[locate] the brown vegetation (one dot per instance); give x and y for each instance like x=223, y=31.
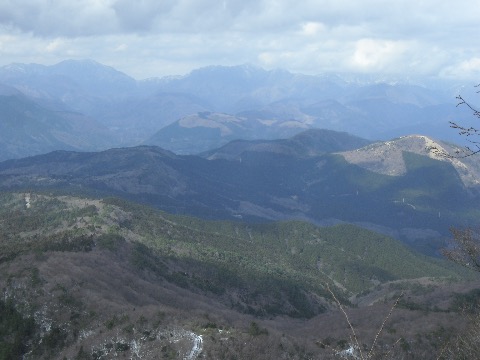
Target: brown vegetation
x=83, y=291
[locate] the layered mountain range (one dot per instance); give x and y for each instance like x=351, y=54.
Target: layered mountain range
x=400, y=187
x=217, y=104
x=229, y=212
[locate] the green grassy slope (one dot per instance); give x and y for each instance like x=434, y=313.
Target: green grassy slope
x=237, y=255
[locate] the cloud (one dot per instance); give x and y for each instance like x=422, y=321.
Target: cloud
x=58, y=18
x=97, y=17
x=161, y=37
x=312, y=28
x=142, y=14
x=371, y=54
x=54, y=45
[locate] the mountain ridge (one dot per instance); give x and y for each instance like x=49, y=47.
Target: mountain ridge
x=307, y=143
x=419, y=206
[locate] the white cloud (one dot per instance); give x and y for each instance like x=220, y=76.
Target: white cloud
x=54, y=45
x=372, y=54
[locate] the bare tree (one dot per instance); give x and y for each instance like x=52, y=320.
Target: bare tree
x=469, y=132
x=464, y=248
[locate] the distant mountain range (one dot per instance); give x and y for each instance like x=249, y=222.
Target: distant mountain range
x=251, y=102
x=397, y=187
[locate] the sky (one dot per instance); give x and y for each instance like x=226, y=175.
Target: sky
x=154, y=38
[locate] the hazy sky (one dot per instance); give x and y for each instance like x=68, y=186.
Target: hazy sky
x=146, y=38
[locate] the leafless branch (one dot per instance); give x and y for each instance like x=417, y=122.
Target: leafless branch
x=464, y=131
x=352, y=329
x=372, y=349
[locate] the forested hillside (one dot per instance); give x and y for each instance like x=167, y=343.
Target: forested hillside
x=397, y=187
x=92, y=278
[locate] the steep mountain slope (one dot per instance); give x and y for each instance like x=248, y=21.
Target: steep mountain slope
x=27, y=128
x=418, y=206
x=89, y=279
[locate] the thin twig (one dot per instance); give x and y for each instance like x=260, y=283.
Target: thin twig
x=348, y=321
x=371, y=352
